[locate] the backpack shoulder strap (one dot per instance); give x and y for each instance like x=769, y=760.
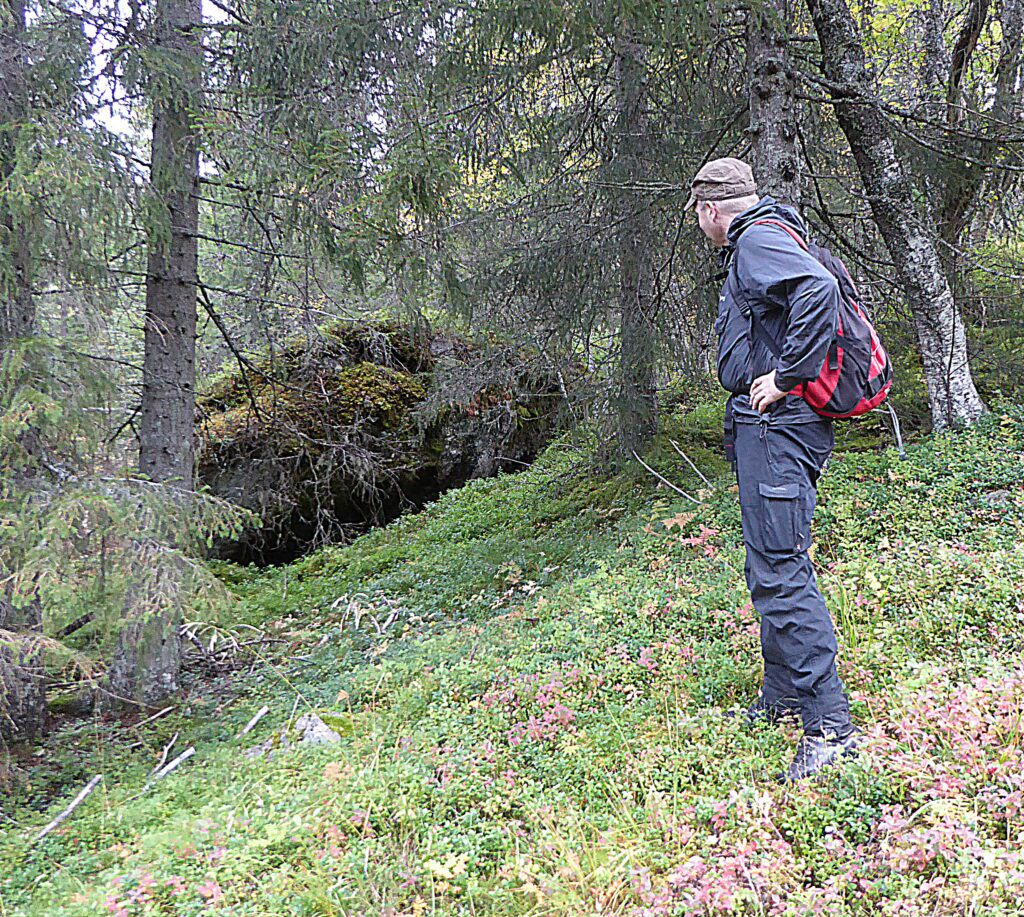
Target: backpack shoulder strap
x=832, y=263
x=774, y=347
x=756, y=328
x=786, y=227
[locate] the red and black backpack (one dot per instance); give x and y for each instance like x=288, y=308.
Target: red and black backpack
x=857, y=374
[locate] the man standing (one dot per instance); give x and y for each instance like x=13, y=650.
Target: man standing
x=780, y=444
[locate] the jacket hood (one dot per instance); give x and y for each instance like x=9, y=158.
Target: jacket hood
x=766, y=209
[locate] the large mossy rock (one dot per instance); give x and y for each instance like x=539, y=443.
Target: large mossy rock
x=353, y=426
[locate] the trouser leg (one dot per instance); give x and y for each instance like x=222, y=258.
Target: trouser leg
x=777, y=686
x=777, y=469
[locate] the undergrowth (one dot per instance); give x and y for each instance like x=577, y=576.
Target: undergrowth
x=529, y=679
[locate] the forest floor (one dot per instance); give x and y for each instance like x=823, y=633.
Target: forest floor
x=529, y=679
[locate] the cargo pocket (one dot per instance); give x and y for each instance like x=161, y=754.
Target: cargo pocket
x=783, y=517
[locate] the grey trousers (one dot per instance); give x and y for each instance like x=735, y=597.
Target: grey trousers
x=777, y=466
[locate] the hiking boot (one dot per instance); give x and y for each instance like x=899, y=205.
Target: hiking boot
x=814, y=753
x=761, y=711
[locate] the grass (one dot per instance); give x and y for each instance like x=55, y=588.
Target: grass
x=539, y=730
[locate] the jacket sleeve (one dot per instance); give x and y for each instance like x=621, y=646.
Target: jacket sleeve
x=774, y=270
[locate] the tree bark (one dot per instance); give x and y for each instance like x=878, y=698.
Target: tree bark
x=959, y=60
x=147, y=661
x=17, y=307
x=166, y=429
x=935, y=63
x=22, y=677
x=774, y=109
x=146, y=667
x=966, y=179
x=22, y=694
x=953, y=398
x=636, y=396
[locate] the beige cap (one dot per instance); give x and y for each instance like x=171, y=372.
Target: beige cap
x=720, y=180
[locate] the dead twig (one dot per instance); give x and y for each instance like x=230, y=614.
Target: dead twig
x=666, y=481
x=155, y=716
x=75, y=803
x=688, y=461
x=262, y=712
x=196, y=642
x=166, y=752
x=181, y=759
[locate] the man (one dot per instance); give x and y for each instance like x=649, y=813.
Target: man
x=780, y=446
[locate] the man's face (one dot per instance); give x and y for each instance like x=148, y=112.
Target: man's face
x=712, y=222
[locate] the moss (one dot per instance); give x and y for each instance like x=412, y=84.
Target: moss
x=340, y=344
x=342, y=723
x=405, y=347
x=228, y=425
x=344, y=434
x=376, y=394
x=297, y=415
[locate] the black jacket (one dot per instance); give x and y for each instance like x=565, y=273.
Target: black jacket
x=794, y=296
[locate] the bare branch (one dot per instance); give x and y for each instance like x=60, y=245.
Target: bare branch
x=666, y=481
x=75, y=803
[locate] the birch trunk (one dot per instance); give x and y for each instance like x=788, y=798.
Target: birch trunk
x=966, y=179
x=941, y=336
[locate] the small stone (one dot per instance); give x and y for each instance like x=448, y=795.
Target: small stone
x=265, y=748
x=308, y=729
x=314, y=731
x=997, y=497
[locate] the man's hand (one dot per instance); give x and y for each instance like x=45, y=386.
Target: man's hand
x=764, y=393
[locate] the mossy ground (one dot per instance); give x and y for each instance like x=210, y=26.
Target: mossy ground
x=532, y=673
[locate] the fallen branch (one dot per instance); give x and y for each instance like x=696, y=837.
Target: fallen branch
x=75, y=803
x=181, y=759
x=155, y=716
x=690, y=463
x=196, y=642
x=262, y=712
x=166, y=752
x=666, y=481
x=75, y=625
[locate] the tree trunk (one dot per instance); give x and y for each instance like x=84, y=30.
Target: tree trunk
x=147, y=663
x=941, y=335
x=166, y=427
x=636, y=396
x=966, y=179
x=147, y=660
x=22, y=678
x=774, y=109
x=22, y=694
x=17, y=308
x=935, y=61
